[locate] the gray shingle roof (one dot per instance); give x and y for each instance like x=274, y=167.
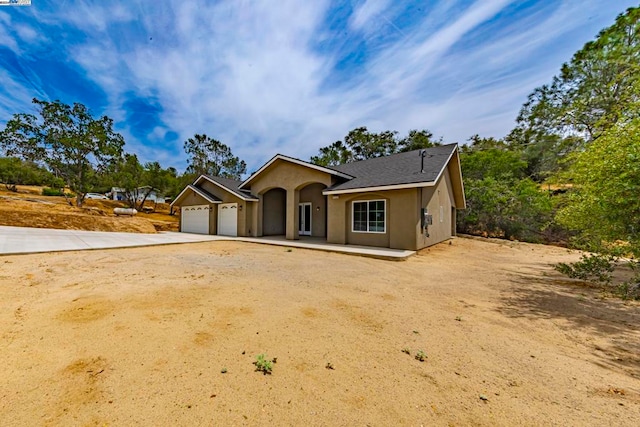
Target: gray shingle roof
x=204, y=192
x=232, y=185
x=396, y=169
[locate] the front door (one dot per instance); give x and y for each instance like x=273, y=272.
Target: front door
x=304, y=215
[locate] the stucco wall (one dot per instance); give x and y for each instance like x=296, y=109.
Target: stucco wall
x=401, y=217
x=292, y=178
x=438, y=201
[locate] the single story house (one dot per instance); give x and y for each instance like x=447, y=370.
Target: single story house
x=402, y=201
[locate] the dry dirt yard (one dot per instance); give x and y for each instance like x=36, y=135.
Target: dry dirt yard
x=141, y=337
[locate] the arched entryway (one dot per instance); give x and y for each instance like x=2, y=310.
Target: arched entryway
x=312, y=210
x=274, y=212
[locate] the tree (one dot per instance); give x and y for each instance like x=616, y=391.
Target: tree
x=361, y=144
x=209, y=156
x=14, y=171
x=595, y=90
x=333, y=155
x=139, y=181
x=416, y=140
x=74, y=145
x=501, y=200
x=506, y=208
x=366, y=145
x=603, y=206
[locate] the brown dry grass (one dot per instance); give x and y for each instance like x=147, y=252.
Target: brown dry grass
x=140, y=337
x=28, y=208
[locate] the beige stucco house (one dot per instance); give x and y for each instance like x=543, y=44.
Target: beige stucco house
x=402, y=201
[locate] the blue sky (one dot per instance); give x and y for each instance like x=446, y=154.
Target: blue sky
x=289, y=77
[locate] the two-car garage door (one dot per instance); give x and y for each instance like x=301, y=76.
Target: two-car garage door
x=195, y=219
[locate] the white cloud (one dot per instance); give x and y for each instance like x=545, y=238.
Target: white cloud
x=366, y=12
x=249, y=73
x=6, y=38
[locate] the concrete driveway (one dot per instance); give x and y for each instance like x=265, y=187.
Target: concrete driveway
x=21, y=240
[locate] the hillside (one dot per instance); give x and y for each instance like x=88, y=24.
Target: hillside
x=29, y=208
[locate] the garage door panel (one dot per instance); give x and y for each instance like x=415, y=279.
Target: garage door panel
x=228, y=219
x=195, y=219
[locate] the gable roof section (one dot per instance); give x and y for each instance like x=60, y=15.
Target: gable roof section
x=205, y=194
x=230, y=185
x=402, y=170
x=330, y=171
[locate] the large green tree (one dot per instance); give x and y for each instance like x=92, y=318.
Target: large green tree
x=365, y=145
x=598, y=88
x=68, y=139
x=416, y=140
x=209, y=156
x=361, y=144
x=333, y=155
x=595, y=89
x=603, y=206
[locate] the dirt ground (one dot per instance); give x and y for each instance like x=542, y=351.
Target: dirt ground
x=142, y=337
x=29, y=208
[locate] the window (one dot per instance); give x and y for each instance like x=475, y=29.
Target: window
x=369, y=216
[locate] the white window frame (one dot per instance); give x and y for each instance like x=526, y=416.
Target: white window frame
x=353, y=206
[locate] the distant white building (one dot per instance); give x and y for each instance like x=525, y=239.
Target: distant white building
x=121, y=194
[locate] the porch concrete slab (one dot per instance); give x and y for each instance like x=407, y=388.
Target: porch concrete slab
x=322, y=245
x=23, y=240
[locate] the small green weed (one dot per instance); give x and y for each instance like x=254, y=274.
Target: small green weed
x=406, y=350
x=263, y=365
x=421, y=355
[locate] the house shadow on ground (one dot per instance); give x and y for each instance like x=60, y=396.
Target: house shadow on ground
x=613, y=324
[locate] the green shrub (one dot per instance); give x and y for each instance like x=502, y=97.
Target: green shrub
x=592, y=268
x=630, y=290
x=52, y=192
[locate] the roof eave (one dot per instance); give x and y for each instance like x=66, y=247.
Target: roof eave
x=379, y=188
x=295, y=161
x=224, y=187
x=196, y=190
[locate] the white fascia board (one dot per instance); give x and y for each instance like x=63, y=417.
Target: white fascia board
x=297, y=162
x=197, y=190
x=446, y=164
x=380, y=188
x=235, y=193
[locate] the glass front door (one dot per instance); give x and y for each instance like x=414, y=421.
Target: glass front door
x=304, y=219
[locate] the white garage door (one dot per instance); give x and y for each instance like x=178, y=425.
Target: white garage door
x=228, y=219
x=195, y=219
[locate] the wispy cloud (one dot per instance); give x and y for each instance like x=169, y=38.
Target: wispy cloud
x=290, y=77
